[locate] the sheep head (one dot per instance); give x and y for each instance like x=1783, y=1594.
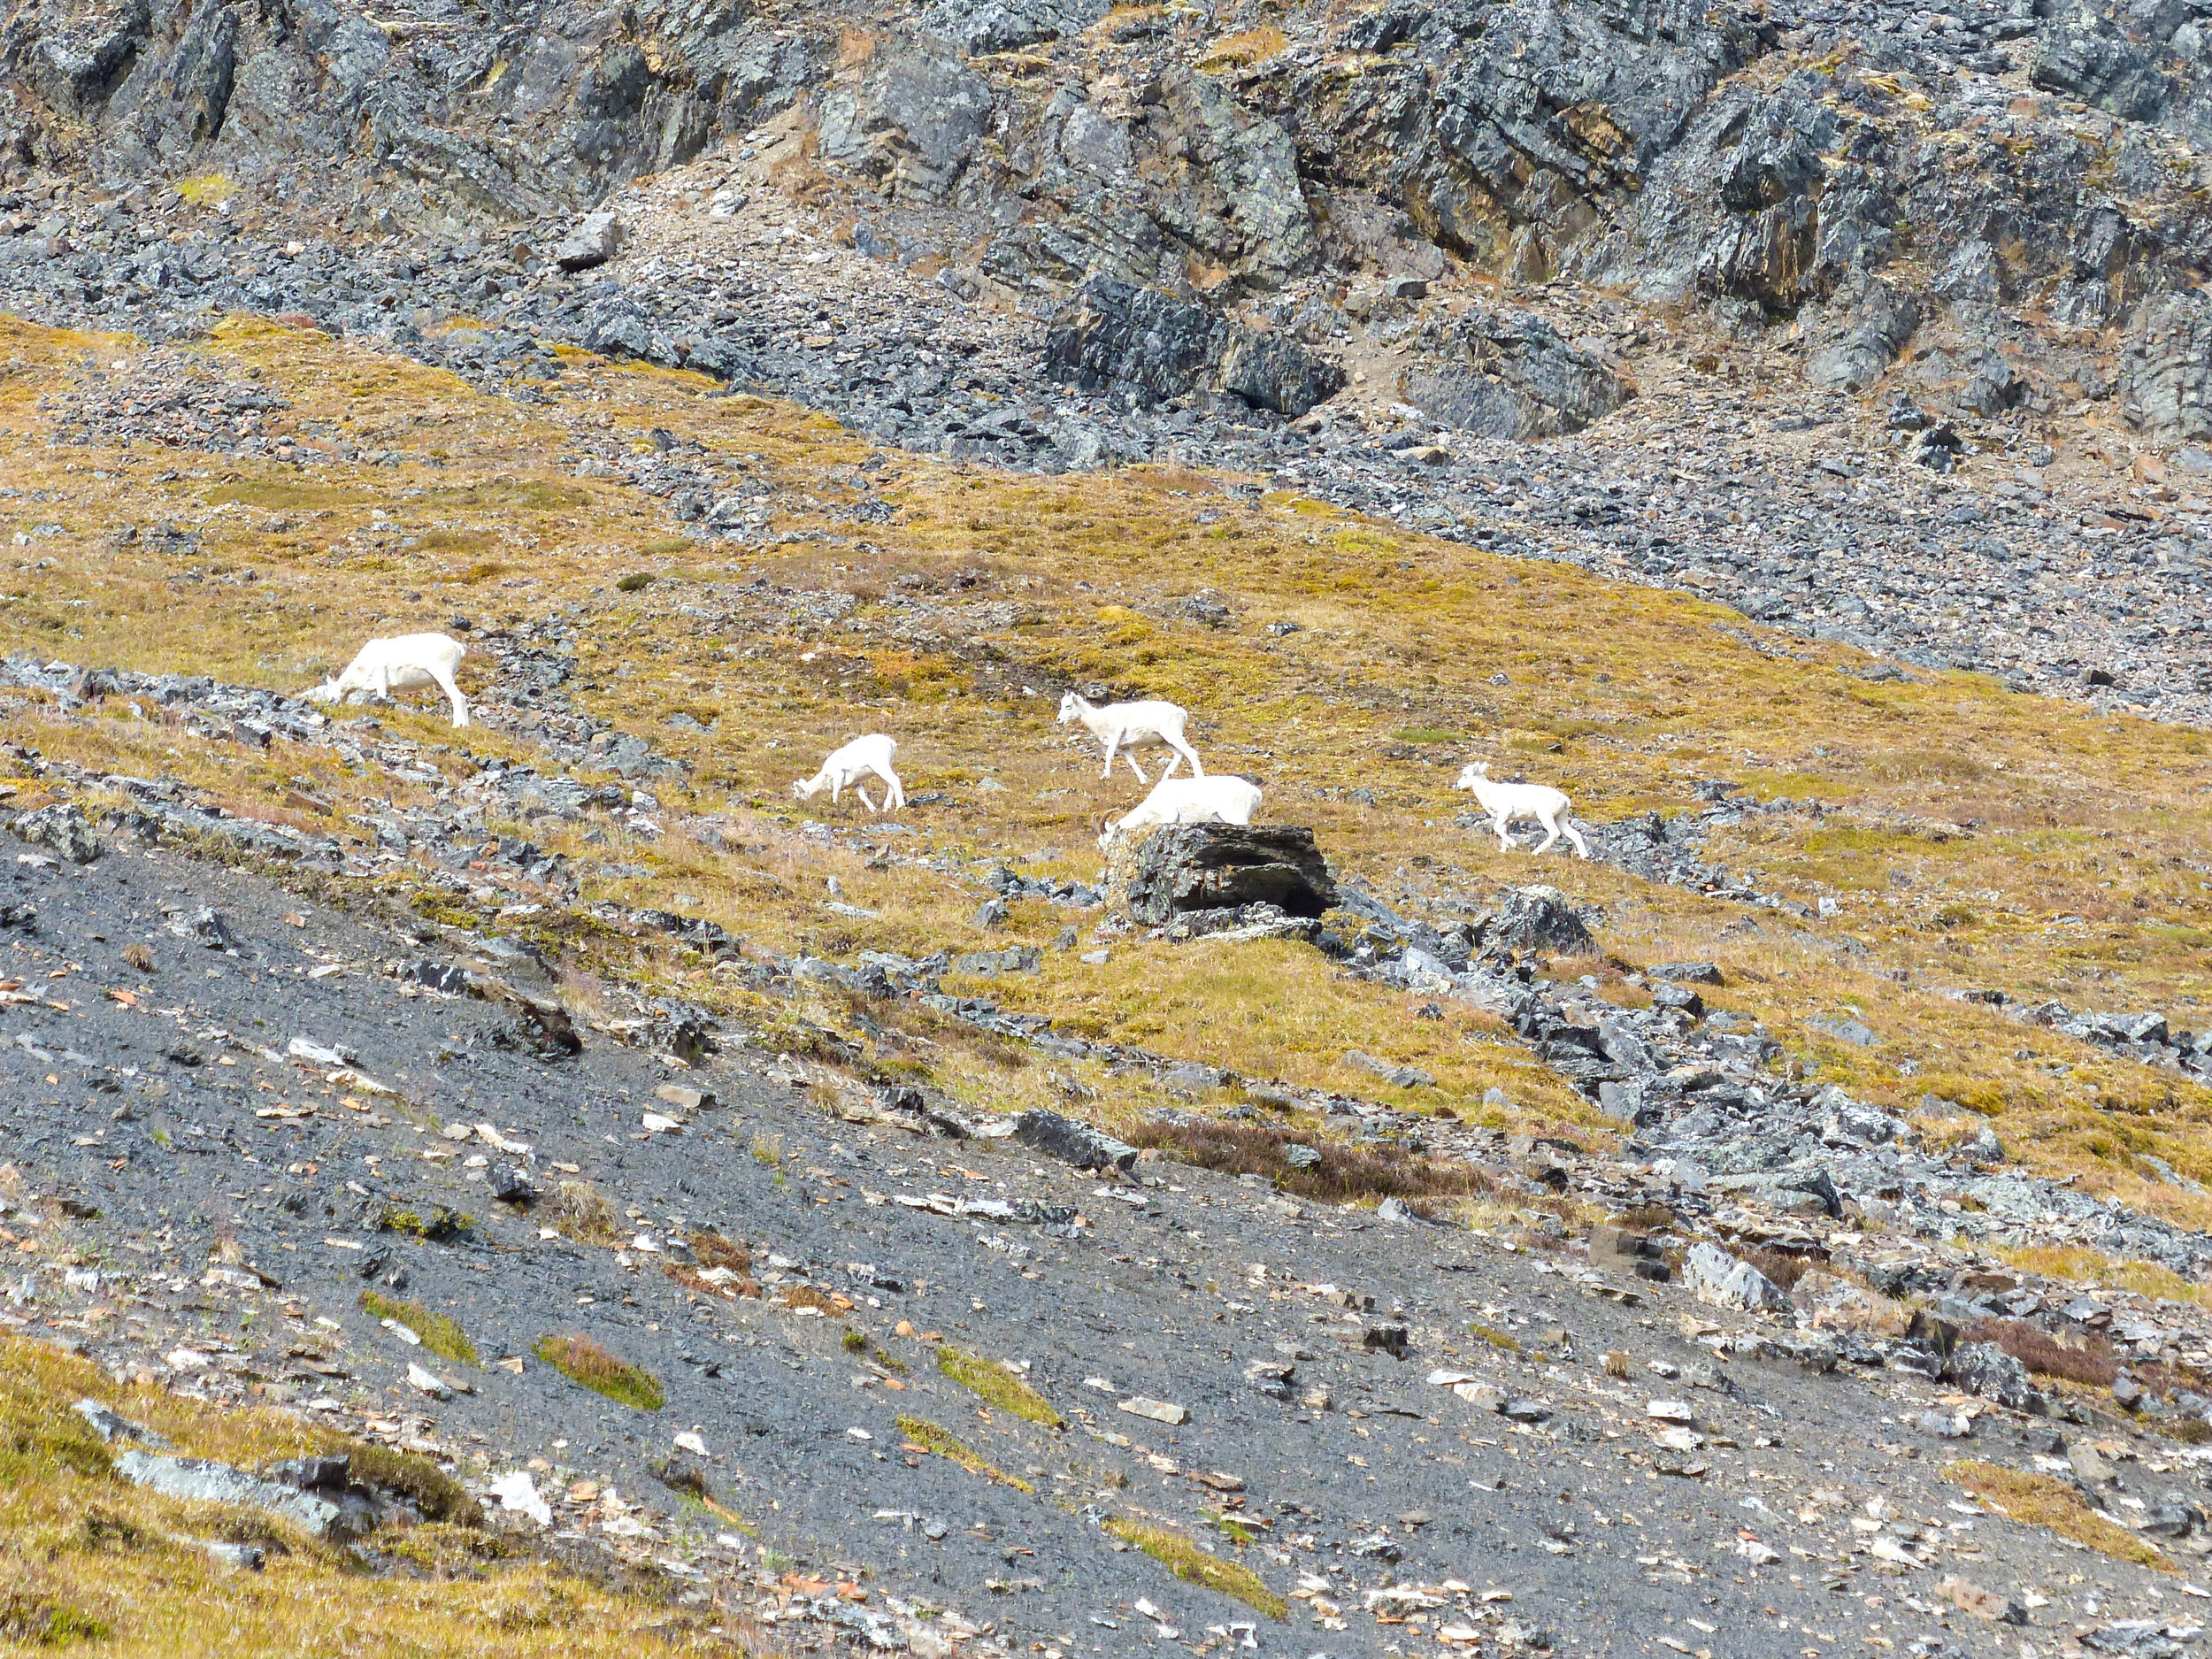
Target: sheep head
x=1473, y=773
x=1071, y=708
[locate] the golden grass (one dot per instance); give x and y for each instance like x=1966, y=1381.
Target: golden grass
x=2096, y=1270
x=1189, y=1562
x=992, y=1382
x=2041, y=1501
x=81, y=1550
x=1976, y=839
x=582, y=1213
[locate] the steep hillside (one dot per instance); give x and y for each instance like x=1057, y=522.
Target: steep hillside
x=1864, y=987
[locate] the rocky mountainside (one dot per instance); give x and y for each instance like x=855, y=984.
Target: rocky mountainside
x=1783, y=426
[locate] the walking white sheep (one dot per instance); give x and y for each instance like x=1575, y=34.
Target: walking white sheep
x=1122, y=726
x=1216, y=800
x=860, y=757
x=1506, y=802
x=406, y=663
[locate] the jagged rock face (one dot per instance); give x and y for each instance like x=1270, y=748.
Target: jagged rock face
x=2082, y=55
x=511, y=122
x=2166, y=387
x=910, y=124
x=1864, y=181
x=1493, y=123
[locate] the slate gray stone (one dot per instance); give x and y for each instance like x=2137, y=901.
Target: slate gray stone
x=1072, y=1142
x=1509, y=374
x=590, y=243
x=1984, y=1368
x=1540, y=917
x=60, y=828
x=1713, y=1276
x=204, y=1481
x=112, y=1425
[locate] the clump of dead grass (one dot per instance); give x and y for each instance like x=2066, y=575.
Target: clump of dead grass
x=922, y=1435
x=581, y=1212
x=1781, y=1266
x=1187, y=1561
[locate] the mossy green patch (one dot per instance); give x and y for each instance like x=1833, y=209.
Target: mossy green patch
x=587, y=1365
x=1000, y=1387
x=441, y=1335
x=38, y=1623
x=438, y=1227
x=1190, y=1562
x=942, y=1442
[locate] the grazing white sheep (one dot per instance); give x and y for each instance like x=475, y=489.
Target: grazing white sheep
x=404, y=663
x=862, y=758
x=1121, y=727
x=1216, y=800
x=1506, y=802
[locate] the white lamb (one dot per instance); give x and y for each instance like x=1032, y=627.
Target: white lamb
x=1216, y=800
x=1506, y=802
x=1121, y=727
x=860, y=757
x=405, y=664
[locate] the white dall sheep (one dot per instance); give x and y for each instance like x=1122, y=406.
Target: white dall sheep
x=1216, y=800
x=860, y=757
x=408, y=663
x=1506, y=802
x=1121, y=727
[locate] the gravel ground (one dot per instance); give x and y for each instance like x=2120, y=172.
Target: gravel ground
x=239, y=1193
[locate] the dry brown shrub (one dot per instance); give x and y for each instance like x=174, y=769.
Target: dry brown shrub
x=2044, y=1354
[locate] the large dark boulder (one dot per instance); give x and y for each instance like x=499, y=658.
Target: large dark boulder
x=1509, y=374
x=1223, y=866
x=1116, y=333
x=1072, y=1142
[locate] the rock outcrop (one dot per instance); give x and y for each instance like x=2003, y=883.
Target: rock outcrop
x=1219, y=867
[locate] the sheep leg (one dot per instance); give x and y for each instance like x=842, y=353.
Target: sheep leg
x=1188, y=754
x=453, y=692
x=1174, y=760
x=1112, y=743
x=1505, y=841
x=1130, y=756
x=895, y=796
x=1551, y=830
x=861, y=789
